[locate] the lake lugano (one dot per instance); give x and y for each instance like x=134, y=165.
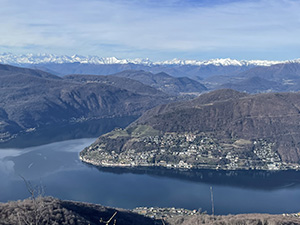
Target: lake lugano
x=57, y=169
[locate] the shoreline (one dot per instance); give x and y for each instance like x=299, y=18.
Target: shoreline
x=292, y=167
x=253, y=179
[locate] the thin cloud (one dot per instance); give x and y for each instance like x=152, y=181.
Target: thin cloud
x=141, y=28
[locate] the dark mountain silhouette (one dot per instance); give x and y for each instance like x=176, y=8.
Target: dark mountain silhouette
x=255, y=85
x=192, y=71
x=277, y=72
x=8, y=70
x=120, y=82
x=86, y=68
x=32, y=98
x=164, y=82
x=285, y=75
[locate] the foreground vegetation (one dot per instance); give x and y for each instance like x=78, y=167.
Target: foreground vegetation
x=48, y=210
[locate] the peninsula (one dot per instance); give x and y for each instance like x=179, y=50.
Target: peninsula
x=223, y=129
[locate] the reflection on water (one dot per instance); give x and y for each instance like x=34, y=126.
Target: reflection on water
x=40, y=161
x=264, y=180
x=56, y=167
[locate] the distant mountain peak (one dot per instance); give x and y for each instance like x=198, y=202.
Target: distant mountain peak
x=43, y=58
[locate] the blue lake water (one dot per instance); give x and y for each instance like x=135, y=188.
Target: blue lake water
x=55, y=167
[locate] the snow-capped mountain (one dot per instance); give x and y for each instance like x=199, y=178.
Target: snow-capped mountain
x=220, y=62
x=8, y=58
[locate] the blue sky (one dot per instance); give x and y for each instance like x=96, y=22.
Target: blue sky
x=157, y=29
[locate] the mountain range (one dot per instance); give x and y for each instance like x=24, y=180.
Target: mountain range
x=164, y=82
x=284, y=77
x=9, y=58
x=252, y=76
x=31, y=99
x=76, y=64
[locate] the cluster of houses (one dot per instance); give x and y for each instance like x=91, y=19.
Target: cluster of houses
x=187, y=151
x=161, y=213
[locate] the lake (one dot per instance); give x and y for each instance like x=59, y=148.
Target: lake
x=55, y=167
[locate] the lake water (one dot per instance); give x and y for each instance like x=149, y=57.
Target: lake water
x=56, y=167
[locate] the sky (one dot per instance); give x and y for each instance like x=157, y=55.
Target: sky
x=154, y=29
